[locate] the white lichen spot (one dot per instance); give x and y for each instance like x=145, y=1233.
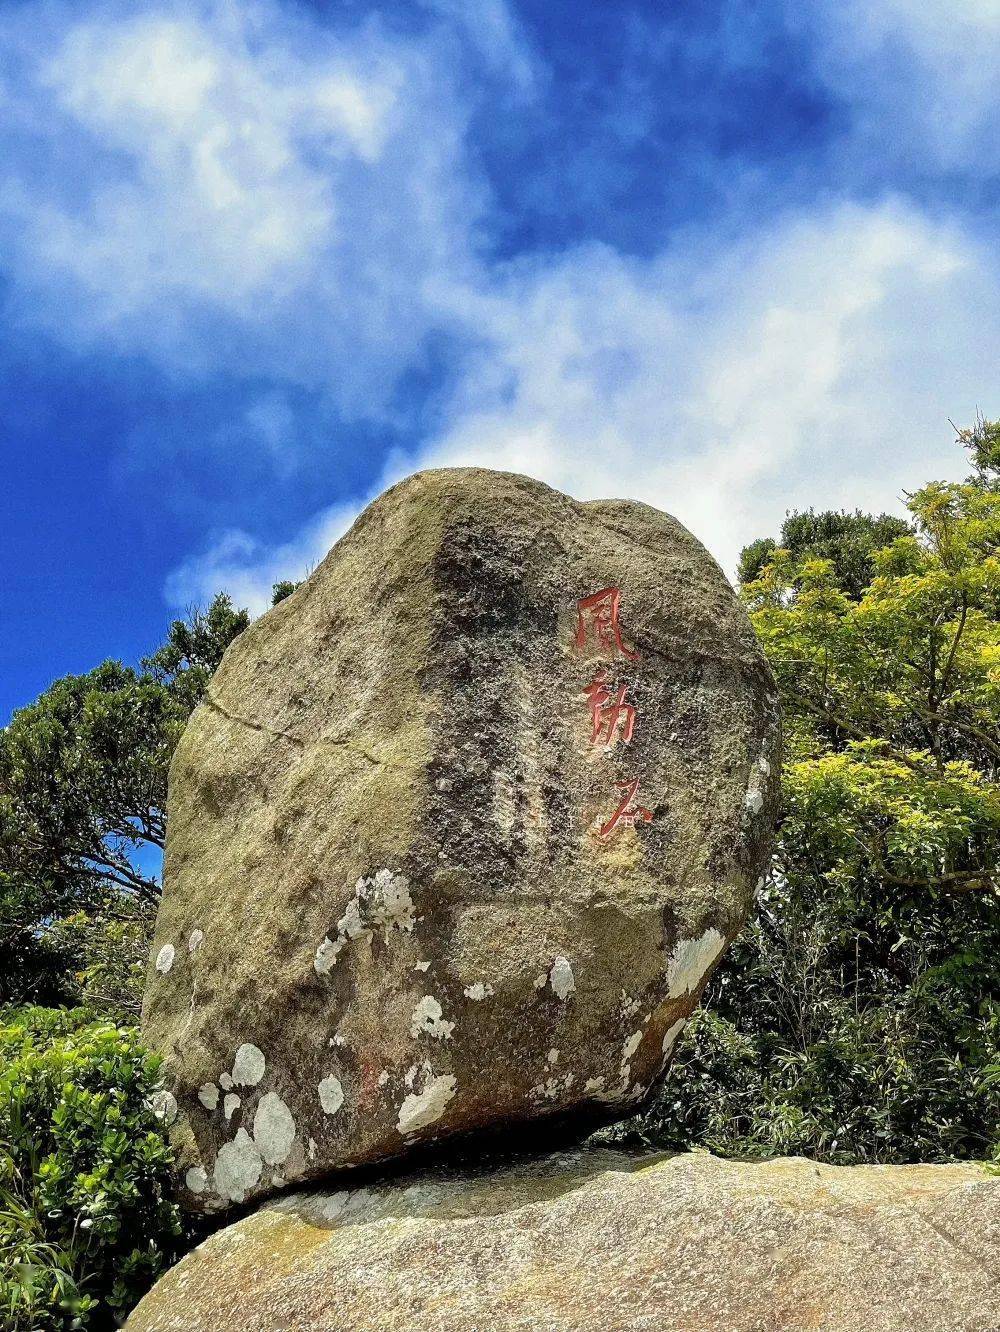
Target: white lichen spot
x=163, y=1104
x=541, y=980
x=351, y=924
x=671, y=1034
x=754, y=800
x=196, y=1180
x=690, y=960
x=764, y=766
x=394, y=903
x=273, y=1128
x=237, y=1167
x=561, y=979
x=410, y=1076
x=594, y=1084
x=195, y=940
x=552, y=1088
x=165, y=959
x=477, y=991
x=226, y=1082
x=208, y=1094
x=248, y=1066
x=383, y=1077
x=311, y=1149
x=231, y=1104
x=630, y=1046
x=380, y=903
x=611, y=1094
x=552, y=1057
x=420, y=1109
x=628, y=1050
x=331, y=1095
x=427, y=1017
x=326, y=955
x=277, y=1180
x=421, y=966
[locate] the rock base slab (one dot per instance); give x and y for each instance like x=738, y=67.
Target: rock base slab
x=606, y=1241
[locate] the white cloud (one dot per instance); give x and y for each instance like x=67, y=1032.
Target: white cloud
x=237, y=563
x=920, y=73
x=815, y=365
x=249, y=191
x=493, y=30
x=242, y=189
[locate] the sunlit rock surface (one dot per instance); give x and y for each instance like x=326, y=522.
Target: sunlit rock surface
x=458, y=834
x=602, y=1241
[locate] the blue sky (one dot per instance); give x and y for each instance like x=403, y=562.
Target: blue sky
x=257, y=260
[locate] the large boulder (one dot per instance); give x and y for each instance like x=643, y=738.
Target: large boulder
x=601, y=1241
x=458, y=833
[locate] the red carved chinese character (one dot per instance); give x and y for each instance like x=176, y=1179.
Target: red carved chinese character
x=628, y=812
x=597, y=619
x=610, y=714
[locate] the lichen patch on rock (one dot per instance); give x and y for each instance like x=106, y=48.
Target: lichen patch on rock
x=238, y=1167
x=248, y=1066
x=273, y=1128
x=691, y=961
x=331, y=1094
x=422, y=1108
x=561, y=978
x=428, y=1017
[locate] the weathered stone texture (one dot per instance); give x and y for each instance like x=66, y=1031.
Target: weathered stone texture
x=390, y=912
x=600, y=1241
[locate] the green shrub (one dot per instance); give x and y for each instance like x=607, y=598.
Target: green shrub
x=858, y=1018
x=848, y=1026
x=87, y=1220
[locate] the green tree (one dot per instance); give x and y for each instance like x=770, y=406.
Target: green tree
x=83, y=775
x=282, y=590
x=857, y=1017
x=848, y=540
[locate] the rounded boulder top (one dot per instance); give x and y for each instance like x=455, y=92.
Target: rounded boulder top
x=457, y=835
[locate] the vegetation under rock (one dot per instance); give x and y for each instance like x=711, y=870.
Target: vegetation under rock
x=857, y=1019
x=87, y=1217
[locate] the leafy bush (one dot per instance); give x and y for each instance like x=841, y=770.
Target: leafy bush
x=858, y=1018
x=811, y=1045
x=87, y=1221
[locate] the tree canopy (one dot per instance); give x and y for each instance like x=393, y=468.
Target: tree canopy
x=857, y=1018
x=83, y=779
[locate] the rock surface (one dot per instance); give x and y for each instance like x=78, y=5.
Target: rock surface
x=458, y=834
x=602, y=1241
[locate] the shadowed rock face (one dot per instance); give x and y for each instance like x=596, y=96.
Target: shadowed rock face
x=458, y=834
x=601, y=1241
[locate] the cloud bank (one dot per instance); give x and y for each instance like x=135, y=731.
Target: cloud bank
x=255, y=191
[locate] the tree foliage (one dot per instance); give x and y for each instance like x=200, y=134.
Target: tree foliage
x=87, y=1216
x=848, y=540
x=857, y=1018
x=83, y=775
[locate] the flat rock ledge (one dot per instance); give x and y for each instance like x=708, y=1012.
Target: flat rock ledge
x=602, y=1240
